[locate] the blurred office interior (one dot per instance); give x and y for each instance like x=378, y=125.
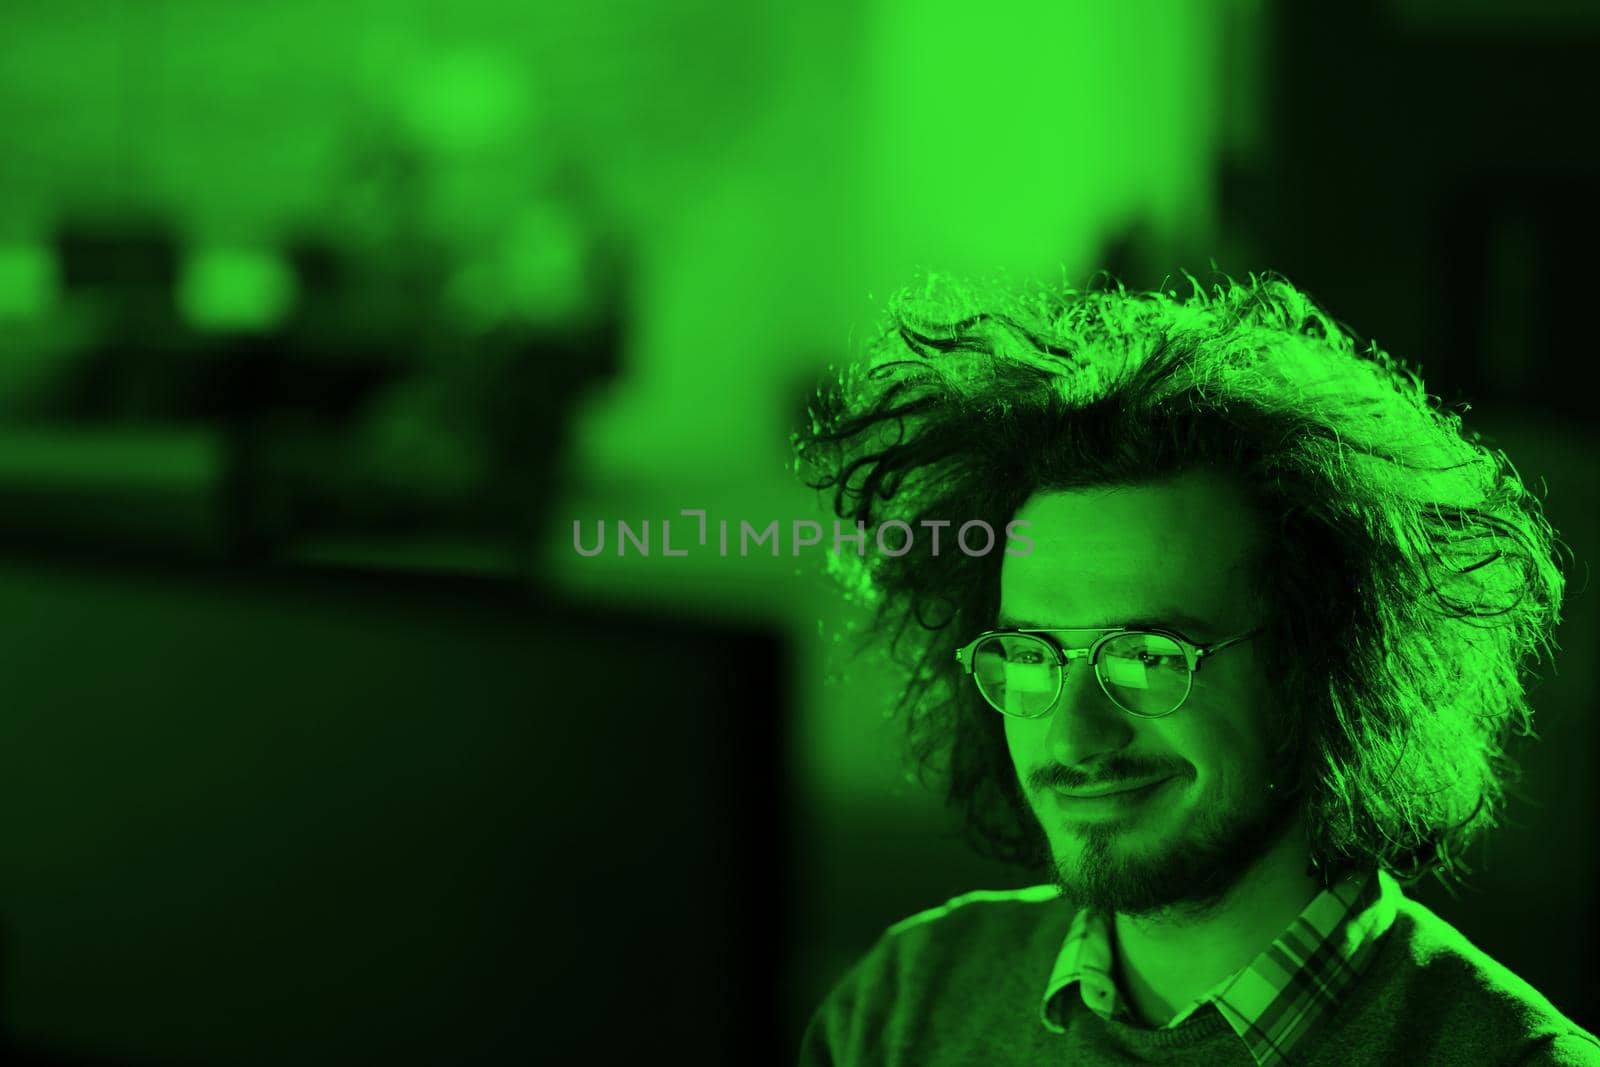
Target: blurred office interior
x=320, y=325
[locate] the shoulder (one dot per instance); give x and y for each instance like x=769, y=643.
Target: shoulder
x=1447, y=959
x=982, y=957
x=1566, y=1050
x=970, y=932
x=977, y=909
x=1455, y=985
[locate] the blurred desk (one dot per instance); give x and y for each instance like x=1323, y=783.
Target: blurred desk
x=123, y=487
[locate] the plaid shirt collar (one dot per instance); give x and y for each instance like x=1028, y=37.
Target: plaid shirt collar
x=1273, y=1001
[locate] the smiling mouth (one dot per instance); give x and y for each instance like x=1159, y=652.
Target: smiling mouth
x=1107, y=791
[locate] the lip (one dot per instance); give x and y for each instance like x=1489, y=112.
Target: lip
x=1116, y=794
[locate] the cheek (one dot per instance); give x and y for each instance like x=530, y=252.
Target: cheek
x=1233, y=725
x=1023, y=740
x=1228, y=759
x=1028, y=741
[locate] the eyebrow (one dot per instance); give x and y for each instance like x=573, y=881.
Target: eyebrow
x=1163, y=620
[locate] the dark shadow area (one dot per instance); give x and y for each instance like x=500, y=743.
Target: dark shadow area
x=306, y=817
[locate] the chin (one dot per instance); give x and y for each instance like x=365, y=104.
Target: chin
x=1189, y=856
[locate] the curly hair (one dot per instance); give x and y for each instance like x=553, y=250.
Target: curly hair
x=1430, y=567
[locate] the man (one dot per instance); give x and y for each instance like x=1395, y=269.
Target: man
x=1253, y=676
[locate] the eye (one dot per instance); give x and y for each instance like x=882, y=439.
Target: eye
x=1030, y=655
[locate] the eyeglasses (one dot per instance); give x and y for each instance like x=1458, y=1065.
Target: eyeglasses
x=1146, y=672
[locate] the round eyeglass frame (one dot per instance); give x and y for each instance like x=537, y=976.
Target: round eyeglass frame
x=1194, y=654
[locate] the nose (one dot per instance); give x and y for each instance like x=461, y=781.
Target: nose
x=1085, y=723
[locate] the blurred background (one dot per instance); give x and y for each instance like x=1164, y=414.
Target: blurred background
x=320, y=325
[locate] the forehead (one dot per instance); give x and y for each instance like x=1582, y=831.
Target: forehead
x=1105, y=556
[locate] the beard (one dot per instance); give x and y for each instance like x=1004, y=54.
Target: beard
x=1185, y=871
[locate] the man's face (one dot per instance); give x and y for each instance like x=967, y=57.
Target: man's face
x=1174, y=554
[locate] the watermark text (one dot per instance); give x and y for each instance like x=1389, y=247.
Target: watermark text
x=741, y=537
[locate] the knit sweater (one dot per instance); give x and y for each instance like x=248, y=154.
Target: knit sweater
x=964, y=989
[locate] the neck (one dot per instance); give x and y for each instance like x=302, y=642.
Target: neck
x=1165, y=960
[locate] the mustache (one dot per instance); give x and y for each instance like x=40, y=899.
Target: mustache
x=1112, y=771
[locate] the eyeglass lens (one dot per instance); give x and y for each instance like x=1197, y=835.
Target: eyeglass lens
x=1146, y=674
